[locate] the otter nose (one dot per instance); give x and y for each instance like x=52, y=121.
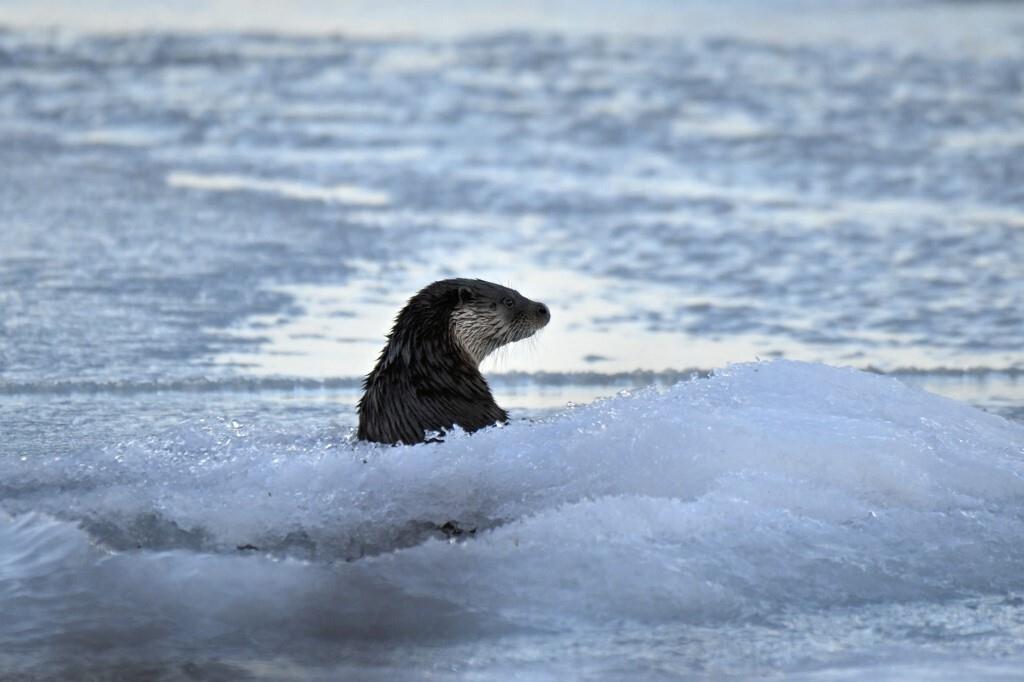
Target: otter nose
x=543, y=312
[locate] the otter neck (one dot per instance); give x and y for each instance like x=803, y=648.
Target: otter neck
x=468, y=336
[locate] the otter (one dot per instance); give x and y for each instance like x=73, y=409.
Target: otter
x=427, y=378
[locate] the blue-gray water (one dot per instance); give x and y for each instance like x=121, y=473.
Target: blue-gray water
x=205, y=234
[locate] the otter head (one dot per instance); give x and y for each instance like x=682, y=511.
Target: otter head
x=427, y=378
x=488, y=316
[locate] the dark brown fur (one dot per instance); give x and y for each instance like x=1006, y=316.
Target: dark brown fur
x=427, y=378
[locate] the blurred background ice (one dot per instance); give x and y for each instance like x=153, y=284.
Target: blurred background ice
x=209, y=214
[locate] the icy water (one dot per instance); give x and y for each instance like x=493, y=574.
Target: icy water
x=732, y=213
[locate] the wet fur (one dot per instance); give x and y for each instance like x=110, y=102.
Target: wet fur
x=427, y=378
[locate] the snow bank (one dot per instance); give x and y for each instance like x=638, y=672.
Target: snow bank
x=769, y=486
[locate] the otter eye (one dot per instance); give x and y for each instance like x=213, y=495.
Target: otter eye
x=508, y=302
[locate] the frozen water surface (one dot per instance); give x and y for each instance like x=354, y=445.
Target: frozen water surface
x=204, y=235
x=797, y=503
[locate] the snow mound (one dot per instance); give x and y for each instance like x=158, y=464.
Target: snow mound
x=767, y=487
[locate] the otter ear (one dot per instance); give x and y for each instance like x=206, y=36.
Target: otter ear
x=465, y=295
